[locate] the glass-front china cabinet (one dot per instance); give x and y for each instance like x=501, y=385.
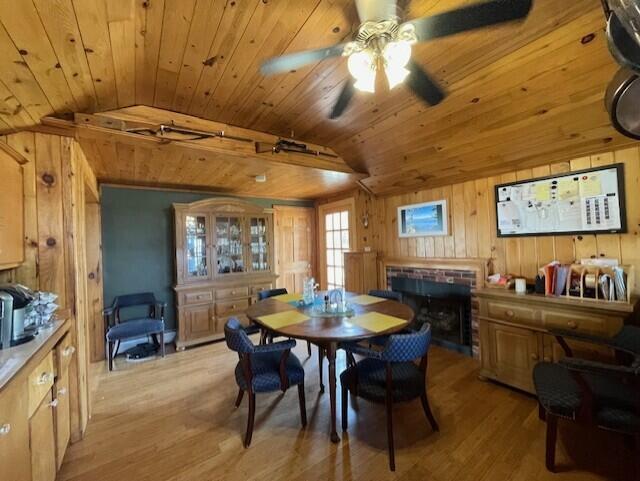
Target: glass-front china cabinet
x=224, y=257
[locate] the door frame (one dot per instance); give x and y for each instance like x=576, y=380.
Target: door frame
x=348, y=204
x=279, y=210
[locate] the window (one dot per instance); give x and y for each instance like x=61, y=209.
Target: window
x=336, y=243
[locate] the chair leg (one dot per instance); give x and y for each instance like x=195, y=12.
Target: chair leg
x=320, y=364
x=162, y=349
x=392, y=454
x=252, y=415
x=345, y=407
x=239, y=398
x=309, y=348
x=428, y=413
x=552, y=433
x=303, y=405
x=110, y=354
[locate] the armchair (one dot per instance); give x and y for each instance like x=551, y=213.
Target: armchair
x=603, y=395
x=118, y=329
x=263, y=368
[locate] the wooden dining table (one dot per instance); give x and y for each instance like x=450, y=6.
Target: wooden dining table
x=328, y=332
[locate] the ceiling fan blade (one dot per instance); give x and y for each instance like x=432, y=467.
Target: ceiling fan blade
x=376, y=10
x=423, y=85
x=469, y=18
x=343, y=99
x=292, y=61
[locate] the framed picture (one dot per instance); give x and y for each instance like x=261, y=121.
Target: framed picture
x=426, y=219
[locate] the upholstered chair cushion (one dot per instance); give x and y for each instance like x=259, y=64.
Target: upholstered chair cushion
x=134, y=328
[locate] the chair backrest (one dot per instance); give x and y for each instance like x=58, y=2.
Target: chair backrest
x=135, y=304
x=237, y=340
x=393, y=295
x=271, y=293
x=407, y=347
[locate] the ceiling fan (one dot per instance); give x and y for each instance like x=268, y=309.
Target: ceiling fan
x=383, y=41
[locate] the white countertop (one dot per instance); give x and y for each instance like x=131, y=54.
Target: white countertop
x=12, y=360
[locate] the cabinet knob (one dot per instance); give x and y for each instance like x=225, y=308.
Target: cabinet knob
x=45, y=377
x=62, y=391
x=509, y=313
x=534, y=356
x=572, y=324
x=5, y=429
x=546, y=359
x=68, y=351
x=233, y=293
x=233, y=306
x=54, y=403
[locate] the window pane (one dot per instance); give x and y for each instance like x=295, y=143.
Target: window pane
x=329, y=221
x=330, y=275
x=330, y=257
x=336, y=239
x=329, y=240
x=345, y=239
x=339, y=258
x=344, y=219
x=339, y=275
x=336, y=220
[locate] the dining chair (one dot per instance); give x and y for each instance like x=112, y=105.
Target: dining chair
x=272, y=293
x=603, y=395
x=118, y=328
x=263, y=368
x=390, y=376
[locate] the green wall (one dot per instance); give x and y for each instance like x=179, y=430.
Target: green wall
x=137, y=241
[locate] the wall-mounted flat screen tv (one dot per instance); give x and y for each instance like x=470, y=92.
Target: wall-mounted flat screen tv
x=580, y=202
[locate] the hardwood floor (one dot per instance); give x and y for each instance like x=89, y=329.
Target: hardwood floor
x=174, y=419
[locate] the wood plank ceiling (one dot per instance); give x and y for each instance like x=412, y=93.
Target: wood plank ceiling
x=520, y=95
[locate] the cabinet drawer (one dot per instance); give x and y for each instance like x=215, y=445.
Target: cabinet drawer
x=259, y=288
x=230, y=307
x=15, y=456
x=40, y=382
x=198, y=297
x=232, y=292
x=591, y=325
x=64, y=353
x=510, y=312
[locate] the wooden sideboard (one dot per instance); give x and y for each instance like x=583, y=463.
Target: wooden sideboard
x=360, y=271
x=224, y=258
x=514, y=331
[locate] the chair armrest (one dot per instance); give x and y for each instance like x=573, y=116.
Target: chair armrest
x=276, y=346
x=108, y=311
x=599, y=368
x=355, y=348
x=159, y=309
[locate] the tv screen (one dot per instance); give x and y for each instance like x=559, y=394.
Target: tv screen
x=585, y=201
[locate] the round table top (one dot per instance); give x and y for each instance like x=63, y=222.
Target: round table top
x=330, y=329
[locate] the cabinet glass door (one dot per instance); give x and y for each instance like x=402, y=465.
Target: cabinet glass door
x=196, y=246
x=229, y=245
x=258, y=244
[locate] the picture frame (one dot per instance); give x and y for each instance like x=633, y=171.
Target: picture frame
x=423, y=220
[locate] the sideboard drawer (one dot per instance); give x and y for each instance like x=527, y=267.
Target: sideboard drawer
x=40, y=382
x=230, y=307
x=198, y=297
x=510, y=312
x=232, y=292
x=570, y=321
x=64, y=353
x=259, y=288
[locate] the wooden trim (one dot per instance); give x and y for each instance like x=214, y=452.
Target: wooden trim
x=478, y=265
x=348, y=204
x=21, y=159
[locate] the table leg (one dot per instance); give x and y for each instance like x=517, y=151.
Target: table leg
x=331, y=357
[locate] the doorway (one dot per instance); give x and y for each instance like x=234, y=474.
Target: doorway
x=336, y=221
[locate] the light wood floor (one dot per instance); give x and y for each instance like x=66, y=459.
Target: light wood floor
x=174, y=419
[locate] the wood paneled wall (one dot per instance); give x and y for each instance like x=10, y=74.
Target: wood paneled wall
x=57, y=180
x=472, y=222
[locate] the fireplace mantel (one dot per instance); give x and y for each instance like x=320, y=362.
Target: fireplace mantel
x=478, y=265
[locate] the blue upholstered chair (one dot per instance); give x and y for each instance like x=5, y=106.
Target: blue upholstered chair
x=389, y=376
x=149, y=323
x=266, y=294
x=602, y=395
x=263, y=368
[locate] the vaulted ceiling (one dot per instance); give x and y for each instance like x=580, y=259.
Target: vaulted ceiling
x=519, y=95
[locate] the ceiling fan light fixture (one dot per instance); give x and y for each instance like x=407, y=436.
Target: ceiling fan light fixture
x=362, y=66
x=396, y=56
x=395, y=75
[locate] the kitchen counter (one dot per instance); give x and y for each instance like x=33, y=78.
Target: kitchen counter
x=15, y=359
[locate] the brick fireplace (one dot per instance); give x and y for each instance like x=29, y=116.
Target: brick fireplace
x=438, y=291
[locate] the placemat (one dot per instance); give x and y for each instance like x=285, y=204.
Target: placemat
x=376, y=322
x=282, y=319
x=288, y=297
x=365, y=300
